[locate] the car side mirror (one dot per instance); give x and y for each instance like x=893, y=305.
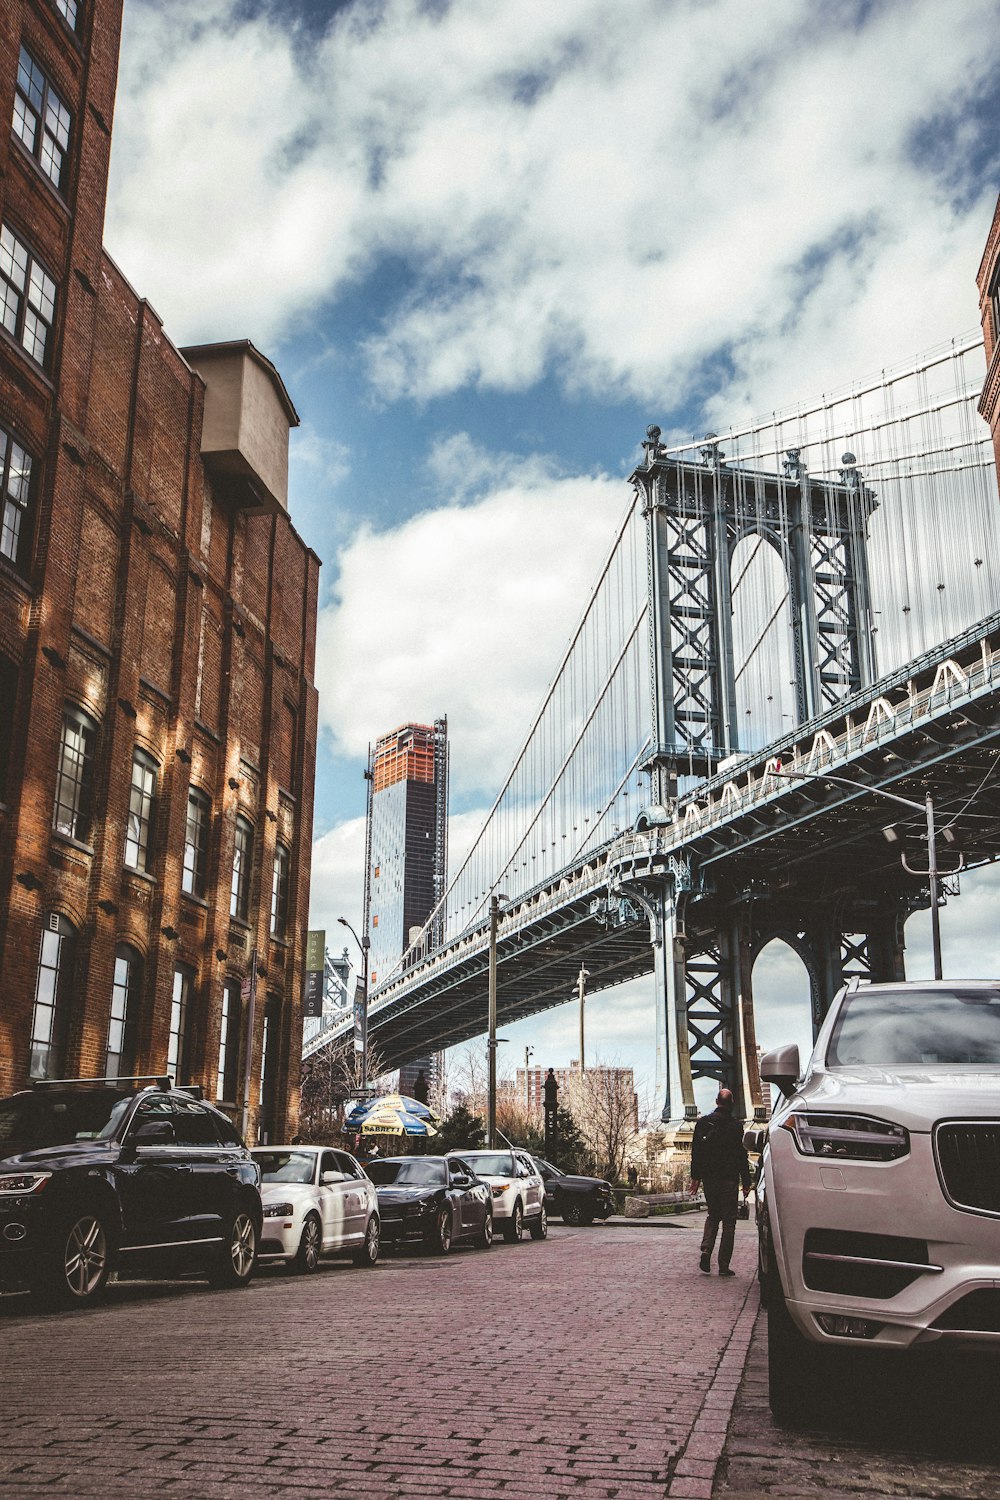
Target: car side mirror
x=326, y=1178
x=459, y=1179
x=753, y=1139
x=782, y=1068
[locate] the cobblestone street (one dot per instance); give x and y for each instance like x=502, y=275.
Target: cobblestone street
x=598, y=1364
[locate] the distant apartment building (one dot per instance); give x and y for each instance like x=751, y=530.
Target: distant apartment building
x=157, y=639
x=407, y=854
x=530, y=1085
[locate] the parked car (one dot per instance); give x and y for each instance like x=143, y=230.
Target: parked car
x=517, y=1189
x=878, y=1222
x=97, y=1176
x=577, y=1200
x=316, y=1202
x=435, y=1199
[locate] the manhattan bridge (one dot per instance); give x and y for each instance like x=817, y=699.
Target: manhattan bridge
x=812, y=596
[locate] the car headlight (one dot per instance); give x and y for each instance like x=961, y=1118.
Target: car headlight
x=847, y=1137
x=17, y=1184
x=499, y=1188
x=278, y=1210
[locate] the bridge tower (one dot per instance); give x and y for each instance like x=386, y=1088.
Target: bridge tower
x=697, y=514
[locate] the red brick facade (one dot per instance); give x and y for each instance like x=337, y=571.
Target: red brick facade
x=989, y=305
x=151, y=591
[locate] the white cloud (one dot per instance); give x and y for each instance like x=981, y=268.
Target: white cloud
x=616, y=192
x=462, y=610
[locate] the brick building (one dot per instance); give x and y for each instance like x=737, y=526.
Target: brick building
x=989, y=303
x=157, y=634
x=529, y=1085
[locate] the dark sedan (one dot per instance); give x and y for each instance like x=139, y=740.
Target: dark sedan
x=577, y=1200
x=435, y=1199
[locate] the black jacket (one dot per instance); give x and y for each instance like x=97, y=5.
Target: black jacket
x=717, y=1150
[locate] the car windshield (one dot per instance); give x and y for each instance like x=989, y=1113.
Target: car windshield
x=58, y=1117
x=492, y=1164
x=911, y=1028
x=410, y=1173
x=286, y=1166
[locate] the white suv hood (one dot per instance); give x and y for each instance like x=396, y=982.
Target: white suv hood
x=286, y=1192
x=917, y=1097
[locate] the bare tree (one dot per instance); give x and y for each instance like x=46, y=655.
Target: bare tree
x=602, y=1101
x=329, y=1077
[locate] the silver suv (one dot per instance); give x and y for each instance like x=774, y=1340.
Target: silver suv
x=878, y=1226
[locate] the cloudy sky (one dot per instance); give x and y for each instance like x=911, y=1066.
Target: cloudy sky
x=487, y=242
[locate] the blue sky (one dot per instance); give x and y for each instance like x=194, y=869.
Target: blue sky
x=487, y=243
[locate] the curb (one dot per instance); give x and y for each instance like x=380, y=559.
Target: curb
x=695, y=1467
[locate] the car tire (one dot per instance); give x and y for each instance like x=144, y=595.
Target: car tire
x=794, y=1365
x=307, y=1256
x=514, y=1226
x=367, y=1256
x=236, y=1261
x=77, y=1271
x=443, y=1232
x=540, y=1228
x=486, y=1233
x=572, y=1212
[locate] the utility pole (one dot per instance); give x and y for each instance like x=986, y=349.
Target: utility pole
x=581, y=990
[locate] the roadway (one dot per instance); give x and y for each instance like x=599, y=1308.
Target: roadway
x=600, y=1363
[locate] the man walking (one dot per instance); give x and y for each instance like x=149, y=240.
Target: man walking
x=719, y=1162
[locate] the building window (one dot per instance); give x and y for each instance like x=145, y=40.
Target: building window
x=995, y=307
x=123, y=1028
x=27, y=296
x=74, y=781
x=269, y=1070
x=177, y=1040
x=69, y=10
x=41, y=120
x=279, y=891
x=229, y=1042
x=141, y=806
x=194, y=879
x=8, y=702
x=50, y=1021
x=16, y=480
x=239, y=901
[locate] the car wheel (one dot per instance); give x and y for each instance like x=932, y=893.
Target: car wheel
x=307, y=1258
x=368, y=1254
x=514, y=1227
x=540, y=1228
x=572, y=1212
x=762, y=1276
x=794, y=1365
x=234, y=1266
x=486, y=1233
x=78, y=1270
x=442, y=1232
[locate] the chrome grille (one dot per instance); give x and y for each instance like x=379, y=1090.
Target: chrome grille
x=968, y=1156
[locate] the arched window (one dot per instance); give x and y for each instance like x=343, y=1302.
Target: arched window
x=199, y=816
x=279, y=891
x=75, y=776
x=123, y=1027
x=239, y=901
x=141, y=810
x=53, y=988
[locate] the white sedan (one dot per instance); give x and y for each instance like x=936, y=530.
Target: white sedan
x=317, y=1201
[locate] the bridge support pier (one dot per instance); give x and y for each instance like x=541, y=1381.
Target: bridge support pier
x=673, y=1058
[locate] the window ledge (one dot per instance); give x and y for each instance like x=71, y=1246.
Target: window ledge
x=32, y=363
x=40, y=173
x=198, y=901
x=71, y=842
x=143, y=875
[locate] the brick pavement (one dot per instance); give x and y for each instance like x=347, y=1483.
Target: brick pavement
x=596, y=1365
x=926, y=1429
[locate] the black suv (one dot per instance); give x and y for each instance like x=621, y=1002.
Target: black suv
x=99, y=1174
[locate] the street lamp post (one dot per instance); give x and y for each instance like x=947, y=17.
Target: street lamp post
x=927, y=808
x=529, y=1053
x=491, y=1043
x=364, y=944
